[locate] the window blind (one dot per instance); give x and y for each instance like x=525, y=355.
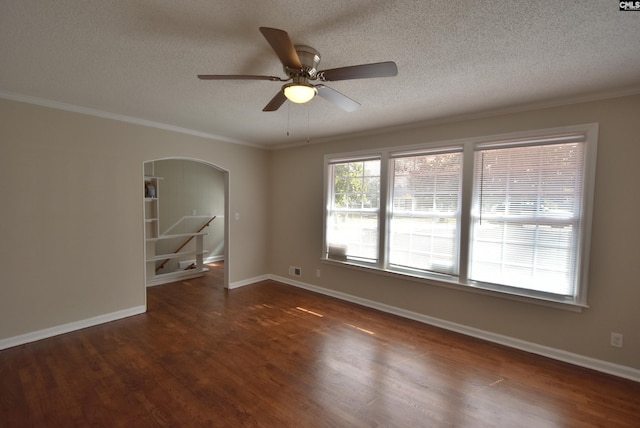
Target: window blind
x=425, y=210
x=527, y=213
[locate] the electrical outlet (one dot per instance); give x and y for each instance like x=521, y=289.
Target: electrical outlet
x=616, y=340
x=318, y=273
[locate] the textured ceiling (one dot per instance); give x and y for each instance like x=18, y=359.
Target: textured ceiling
x=140, y=59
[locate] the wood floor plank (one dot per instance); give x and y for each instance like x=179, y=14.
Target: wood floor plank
x=269, y=355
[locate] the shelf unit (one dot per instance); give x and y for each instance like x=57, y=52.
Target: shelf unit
x=152, y=237
x=151, y=207
x=151, y=258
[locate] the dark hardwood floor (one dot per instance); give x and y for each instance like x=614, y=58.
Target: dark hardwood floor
x=270, y=355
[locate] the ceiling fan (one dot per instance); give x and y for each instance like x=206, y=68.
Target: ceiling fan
x=300, y=64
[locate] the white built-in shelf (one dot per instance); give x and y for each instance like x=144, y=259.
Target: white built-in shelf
x=177, y=235
x=162, y=257
x=181, y=275
x=152, y=237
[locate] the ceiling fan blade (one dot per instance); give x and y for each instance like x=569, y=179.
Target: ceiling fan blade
x=282, y=45
x=363, y=71
x=275, y=102
x=341, y=100
x=237, y=77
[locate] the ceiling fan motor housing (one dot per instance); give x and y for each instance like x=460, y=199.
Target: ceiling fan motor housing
x=309, y=58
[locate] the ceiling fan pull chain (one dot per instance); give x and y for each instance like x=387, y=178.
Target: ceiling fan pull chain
x=308, y=126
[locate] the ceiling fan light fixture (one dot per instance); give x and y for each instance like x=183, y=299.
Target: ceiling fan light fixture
x=300, y=93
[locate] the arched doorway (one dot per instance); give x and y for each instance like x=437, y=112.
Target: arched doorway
x=186, y=219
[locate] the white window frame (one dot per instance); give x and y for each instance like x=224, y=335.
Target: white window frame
x=396, y=155
x=361, y=211
x=469, y=146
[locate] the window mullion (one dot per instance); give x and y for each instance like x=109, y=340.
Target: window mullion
x=385, y=208
x=528, y=241
x=466, y=203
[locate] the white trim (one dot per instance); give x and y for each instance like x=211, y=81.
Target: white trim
x=166, y=278
x=445, y=282
x=249, y=281
x=376, y=131
x=468, y=146
x=214, y=259
x=183, y=218
x=69, y=327
x=119, y=117
x=481, y=114
x=534, y=348
x=226, y=216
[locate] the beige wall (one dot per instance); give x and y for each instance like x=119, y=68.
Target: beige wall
x=614, y=290
x=71, y=222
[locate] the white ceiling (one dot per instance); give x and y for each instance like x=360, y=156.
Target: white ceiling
x=140, y=59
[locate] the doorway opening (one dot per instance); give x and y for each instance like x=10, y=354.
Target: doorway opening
x=186, y=203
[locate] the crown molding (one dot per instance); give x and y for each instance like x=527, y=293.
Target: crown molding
x=12, y=96
x=465, y=117
x=383, y=130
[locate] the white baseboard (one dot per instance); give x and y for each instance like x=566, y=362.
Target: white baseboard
x=181, y=275
x=69, y=327
x=534, y=348
x=249, y=281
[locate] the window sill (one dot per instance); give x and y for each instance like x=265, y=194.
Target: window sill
x=453, y=283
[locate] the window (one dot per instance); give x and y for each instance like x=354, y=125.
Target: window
x=508, y=214
x=527, y=222
x=353, y=214
x=425, y=211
